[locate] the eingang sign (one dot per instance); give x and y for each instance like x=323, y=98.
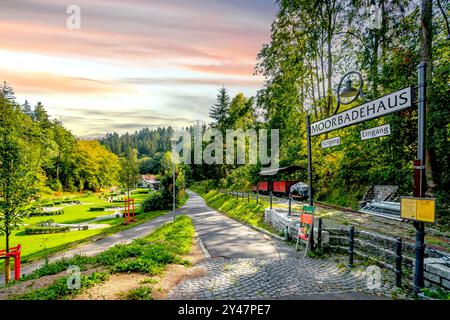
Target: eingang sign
x=387, y=104
x=376, y=132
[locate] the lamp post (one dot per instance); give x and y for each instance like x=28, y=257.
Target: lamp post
x=173, y=141
x=349, y=92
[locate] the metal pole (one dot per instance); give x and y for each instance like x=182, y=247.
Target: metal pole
x=173, y=176
x=420, y=191
x=290, y=205
x=308, y=134
x=257, y=195
x=310, y=189
x=319, y=234
x=270, y=199
x=398, y=263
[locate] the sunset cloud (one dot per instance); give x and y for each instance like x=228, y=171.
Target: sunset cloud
x=136, y=52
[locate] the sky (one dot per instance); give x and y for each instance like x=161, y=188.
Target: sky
x=133, y=63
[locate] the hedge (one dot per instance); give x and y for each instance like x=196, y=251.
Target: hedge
x=46, y=214
x=97, y=209
x=45, y=230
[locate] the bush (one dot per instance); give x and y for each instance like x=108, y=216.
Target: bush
x=155, y=201
x=142, y=293
x=139, y=265
x=97, y=209
x=45, y=230
x=46, y=214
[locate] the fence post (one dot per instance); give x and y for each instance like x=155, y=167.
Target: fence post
x=248, y=197
x=257, y=196
x=286, y=233
x=351, y=244
x=319, y=234
x=271, y=200
x=290, y=205
x=398, y=263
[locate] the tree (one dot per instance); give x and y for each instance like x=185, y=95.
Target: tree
x=219, y=111
x=129, y=173
x=26, y=109
x=17, y=172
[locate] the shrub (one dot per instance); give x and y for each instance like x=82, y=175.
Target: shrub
x=97, y=209
x=46, y=214
x=155, y=201
x=142, y=293
x=138, y=265
x=60, y=290
x=42, y=228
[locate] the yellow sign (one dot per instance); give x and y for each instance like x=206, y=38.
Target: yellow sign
x=418, y=209
x=408, y=208
x=426, y=210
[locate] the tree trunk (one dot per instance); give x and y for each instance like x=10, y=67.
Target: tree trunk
x=426, y=56
x=7, y=264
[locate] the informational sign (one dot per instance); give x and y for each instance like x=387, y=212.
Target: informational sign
x=418, y=209
x=376, y=132
x=330, y=142
x=387, y=104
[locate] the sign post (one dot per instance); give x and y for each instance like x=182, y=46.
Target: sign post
x=380, y=107
x=419, y=175
x=310, y=189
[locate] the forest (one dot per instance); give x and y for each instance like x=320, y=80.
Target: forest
x=312, y=45
x=51, y=157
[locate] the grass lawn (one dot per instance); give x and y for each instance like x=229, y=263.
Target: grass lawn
x=149, y=255
x=38, y=246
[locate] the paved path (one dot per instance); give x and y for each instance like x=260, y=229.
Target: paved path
x=93, y=248
x=224, y=237
x=246, y=264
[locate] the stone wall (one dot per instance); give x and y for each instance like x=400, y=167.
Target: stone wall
x=437, y=273
x=280, y=218
x=371, y=245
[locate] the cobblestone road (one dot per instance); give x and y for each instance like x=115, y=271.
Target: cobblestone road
x=243, y=274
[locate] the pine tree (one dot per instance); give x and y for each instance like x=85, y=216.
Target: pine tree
x=7, y=92
x=26, y=108
x=219, y=111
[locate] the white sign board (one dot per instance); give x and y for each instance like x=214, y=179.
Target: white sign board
x=387, y=104
x=376, y=132
x=330, y=142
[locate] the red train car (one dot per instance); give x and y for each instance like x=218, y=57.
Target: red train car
x=283, y=187
x=263, y=186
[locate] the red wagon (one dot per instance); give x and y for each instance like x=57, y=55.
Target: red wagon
x=283, y=187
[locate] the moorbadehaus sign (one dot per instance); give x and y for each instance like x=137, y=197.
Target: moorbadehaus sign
x=390, y=103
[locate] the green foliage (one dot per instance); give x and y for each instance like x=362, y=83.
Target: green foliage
x=59, y=289
x=147, y=255
x=220, y=111
x=41, y=213
x=437, y=294
x=139, y=265
x=129, y=173
x=45, y=230
x=156, y=201
x=94, y=209
x=141, y=293
x=251, y=213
